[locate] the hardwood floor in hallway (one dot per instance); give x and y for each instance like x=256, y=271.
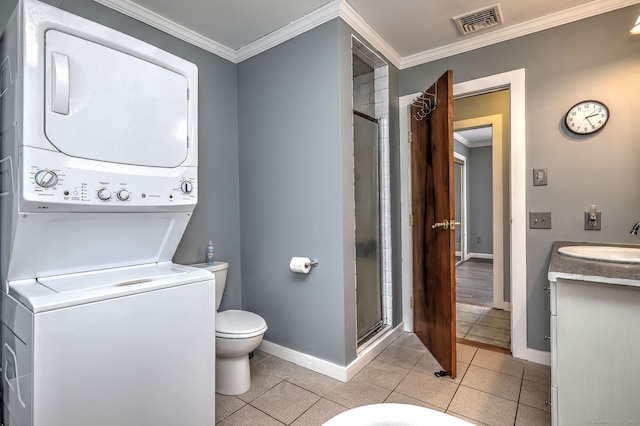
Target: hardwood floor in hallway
x=474, y=282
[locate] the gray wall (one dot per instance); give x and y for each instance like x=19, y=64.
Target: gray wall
x=296, y=191
x=216, y=217
x=601, y=169
x=480, y=207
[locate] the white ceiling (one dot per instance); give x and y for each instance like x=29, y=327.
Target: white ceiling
x=408, y=32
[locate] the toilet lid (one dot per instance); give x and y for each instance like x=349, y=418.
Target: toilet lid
x=234, y=324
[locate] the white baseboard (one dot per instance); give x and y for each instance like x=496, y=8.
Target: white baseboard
x=479, y=256
x=330, y=369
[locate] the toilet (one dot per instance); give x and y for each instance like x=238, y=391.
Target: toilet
x=238, y=333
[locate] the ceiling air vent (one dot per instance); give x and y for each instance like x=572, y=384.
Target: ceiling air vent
x=477, y=20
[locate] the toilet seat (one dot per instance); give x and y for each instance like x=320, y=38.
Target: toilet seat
x=234, y=324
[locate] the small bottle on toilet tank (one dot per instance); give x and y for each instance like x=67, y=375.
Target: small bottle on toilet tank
x=210, y=254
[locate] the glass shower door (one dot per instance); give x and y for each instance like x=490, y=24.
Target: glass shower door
x=367, y=211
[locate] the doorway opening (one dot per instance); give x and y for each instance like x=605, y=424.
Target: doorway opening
x=515, y=287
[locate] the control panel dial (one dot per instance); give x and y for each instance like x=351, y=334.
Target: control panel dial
x=186, y=187
x=46, y=178
x=104, y=194
x=123, y=195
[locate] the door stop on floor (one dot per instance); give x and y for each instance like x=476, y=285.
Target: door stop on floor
x=442, y=373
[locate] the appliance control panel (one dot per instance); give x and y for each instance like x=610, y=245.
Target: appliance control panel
x=107, y=186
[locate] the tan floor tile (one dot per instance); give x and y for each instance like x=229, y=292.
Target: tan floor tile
x=261, y=381
x=537, y=373
x=400, y=356
x=492, y=382
x=428, y=365
x=483, y=407
x=498, y=313
x=314, y=382
x=465, y=353
x=495, y=361
x=399, y=398
x=535, y=394
x=492, y=342
x=463, y=327
x=467, y=317
x=249, y=415
x=494, y=322
x=474, y=309
x=227, y=405
x=410, y=340
x=427, y=388
x=285, y=402
x=490, y=333
x=529, y=416
x=322, y=411
x=381, y=374
x=466, y=419
x=356, y=393
x=281, y=368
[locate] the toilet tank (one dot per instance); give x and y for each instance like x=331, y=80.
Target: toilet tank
x=219, y=269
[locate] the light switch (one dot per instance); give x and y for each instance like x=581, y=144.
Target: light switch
x=539, y=220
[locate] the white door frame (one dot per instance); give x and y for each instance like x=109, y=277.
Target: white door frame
x=515, y=82
x=462, y=160
x=497, y=185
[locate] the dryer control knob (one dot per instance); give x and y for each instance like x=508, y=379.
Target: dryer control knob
x=104, y=194
x=186, y=187
x=123, y=195
x=46, y=178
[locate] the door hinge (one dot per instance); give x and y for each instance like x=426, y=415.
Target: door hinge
x=412, y=302
x=410, y=220
x=410, y=137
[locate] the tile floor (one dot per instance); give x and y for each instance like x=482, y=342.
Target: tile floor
x=483, y=325
x=491, y=388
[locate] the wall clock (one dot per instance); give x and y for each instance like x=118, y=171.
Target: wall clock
x=586, y=117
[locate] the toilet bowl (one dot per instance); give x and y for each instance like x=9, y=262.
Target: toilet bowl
x=238, y=333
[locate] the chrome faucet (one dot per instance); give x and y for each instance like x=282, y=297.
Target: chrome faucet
x=635, y=229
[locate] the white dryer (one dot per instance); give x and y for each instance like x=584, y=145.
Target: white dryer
x=99, y=180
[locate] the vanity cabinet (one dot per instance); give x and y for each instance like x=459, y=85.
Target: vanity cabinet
x=595, y=343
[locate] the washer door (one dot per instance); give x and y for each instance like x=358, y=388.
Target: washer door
x=107, y=105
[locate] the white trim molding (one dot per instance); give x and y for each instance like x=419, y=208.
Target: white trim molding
x=166, y=25
x=342, y=9
x=335, y=371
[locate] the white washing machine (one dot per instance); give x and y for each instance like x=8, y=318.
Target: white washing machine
x=128, y=346
x=98, y=176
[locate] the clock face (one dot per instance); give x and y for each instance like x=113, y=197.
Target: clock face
x=586, y=117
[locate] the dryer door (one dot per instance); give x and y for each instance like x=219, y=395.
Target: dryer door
x=104, y=104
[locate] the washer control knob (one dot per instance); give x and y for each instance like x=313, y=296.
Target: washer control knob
x=104, y=194
x=123, y=195
x=186, y=187
x=46, y=178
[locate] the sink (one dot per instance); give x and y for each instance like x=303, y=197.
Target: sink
x=604, y=253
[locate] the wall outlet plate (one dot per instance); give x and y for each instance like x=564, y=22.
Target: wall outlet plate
x=539, y=177
x=539, y=220
x=595, y=226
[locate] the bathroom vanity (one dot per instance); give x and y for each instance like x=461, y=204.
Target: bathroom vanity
x=595, y=339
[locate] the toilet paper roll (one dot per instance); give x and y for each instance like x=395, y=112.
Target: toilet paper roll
x=301, y=265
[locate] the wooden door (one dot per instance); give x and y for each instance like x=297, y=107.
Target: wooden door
x=432, y=203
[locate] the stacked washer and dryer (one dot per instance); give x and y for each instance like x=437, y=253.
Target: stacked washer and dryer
x=98, y=182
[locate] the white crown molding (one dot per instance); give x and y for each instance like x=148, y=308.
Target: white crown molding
x=351, y=17
x=342, y=9
x=295, y=28
x=556, y=19
x=163, y=24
